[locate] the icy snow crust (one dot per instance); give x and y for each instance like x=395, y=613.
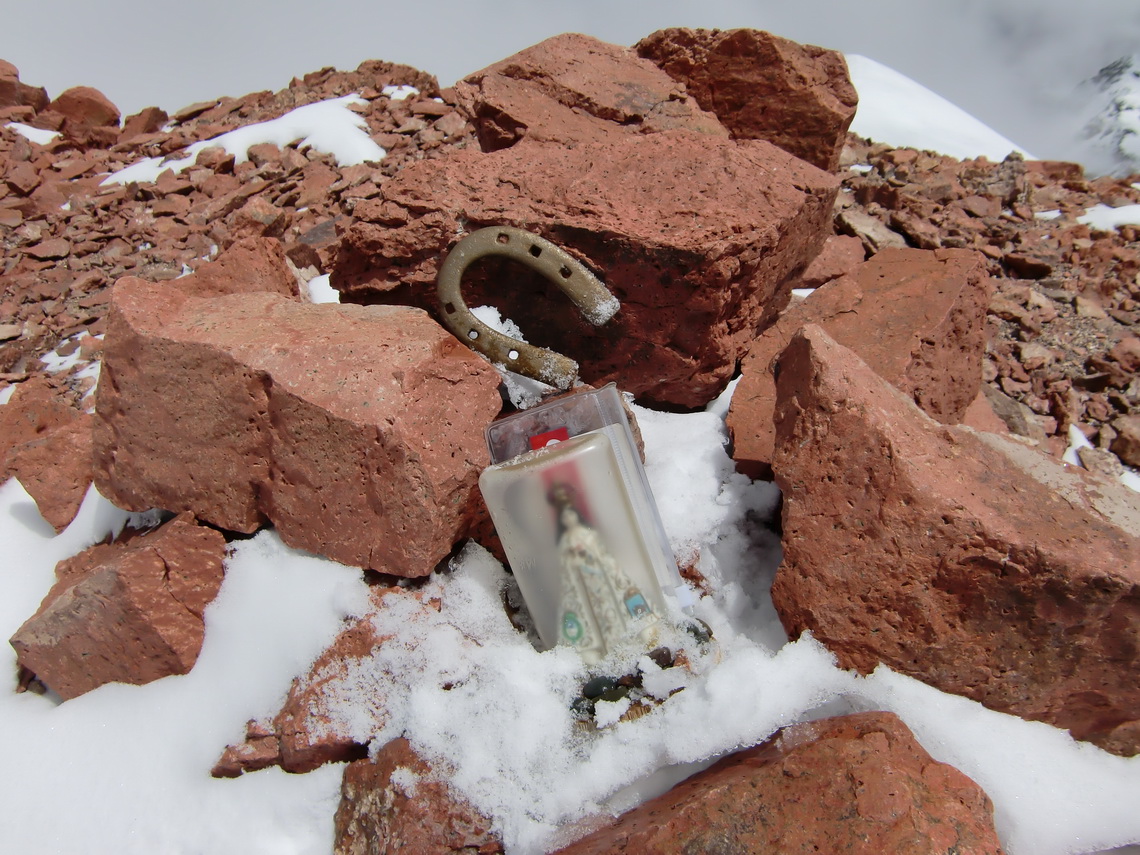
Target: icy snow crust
x=328, y=126
x=478, y=701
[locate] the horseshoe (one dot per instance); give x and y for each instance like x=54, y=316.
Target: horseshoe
x=584, y=289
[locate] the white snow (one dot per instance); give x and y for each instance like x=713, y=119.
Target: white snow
x=327, y=126
x=320, y=291
x=895, y=109
x=130, y=765
x=1105, y=219
x=399, y=93
x=36, y=135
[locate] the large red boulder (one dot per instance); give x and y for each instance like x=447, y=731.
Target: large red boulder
x=13, y=93
x=355, y=430
x=967, y=560
x=761, y=86
x=125, y=612
x=83, y=106
x=394, y=803
x=696, y=236
x=571, y=88
x=917, y=317
x=857, y=783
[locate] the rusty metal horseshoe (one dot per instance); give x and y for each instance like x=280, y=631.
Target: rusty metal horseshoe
x=585, y=290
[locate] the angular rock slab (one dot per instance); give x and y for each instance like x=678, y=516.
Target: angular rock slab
x=392, y=804
x=310, y=729
x=695, y=235
x=571, y=88
x=55, y=469
x=248, y=265
x=356, y=431
x=857, y=783
x=916, y=316
x=125, y=612
x=966, y=560
x=799, y=97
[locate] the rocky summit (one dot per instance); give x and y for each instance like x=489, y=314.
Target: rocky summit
x=917, y=338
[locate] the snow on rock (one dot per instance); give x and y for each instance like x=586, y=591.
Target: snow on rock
x=36, y=135
x=327, y=126
x=814, y=782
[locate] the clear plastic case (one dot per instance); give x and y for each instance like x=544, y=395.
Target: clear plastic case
x=572, y=506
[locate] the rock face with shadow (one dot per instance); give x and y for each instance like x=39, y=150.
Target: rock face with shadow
x=965, y=559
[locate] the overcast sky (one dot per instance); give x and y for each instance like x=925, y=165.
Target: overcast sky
x=1012, y=63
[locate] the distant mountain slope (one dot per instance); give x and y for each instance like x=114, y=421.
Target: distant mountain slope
x=1111, y=133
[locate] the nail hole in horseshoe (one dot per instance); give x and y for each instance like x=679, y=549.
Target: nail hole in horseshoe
x=564, y=272
x=535, y=250
x=449, y=308
x=473, y=334
x=503, y=237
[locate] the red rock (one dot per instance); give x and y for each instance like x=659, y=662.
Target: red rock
x=761, y=86
x=147, y=121
x=260, y=750
x=356, y=431
x=127, y=613
x=572, y=88
x=55, y=469
x=50, y=249
x=84, y=106
x=309, y=734
x=13, y=93
x=917, y=317
x=258, y=218
x=980, y=415
x=35, y=408
x=696, y=236
x=22, y=178
x=966, y=560
x=841, y=254
x=250, y=265
x=384, y=812
x=856, y=783
x=1126, y=445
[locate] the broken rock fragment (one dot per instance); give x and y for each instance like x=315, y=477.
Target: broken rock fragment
x=355, y=430
x=696, y=236
x=856, y=783
x=967, y=560
x=125, y=612
x=55, y=469
x=571, y=88
x=916, y=316
x=393, y=804
x=760, y=86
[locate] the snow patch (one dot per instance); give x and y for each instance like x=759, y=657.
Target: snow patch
x=327, y=126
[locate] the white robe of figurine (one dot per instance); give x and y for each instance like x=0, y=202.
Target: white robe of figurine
x=599, y=605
